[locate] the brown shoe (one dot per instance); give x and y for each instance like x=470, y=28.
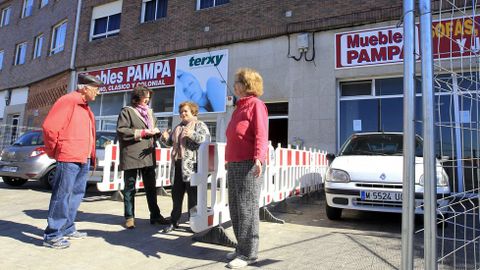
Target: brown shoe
x=130, y=223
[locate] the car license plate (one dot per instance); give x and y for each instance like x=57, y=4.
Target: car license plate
x=380, y=196
x=9, y=169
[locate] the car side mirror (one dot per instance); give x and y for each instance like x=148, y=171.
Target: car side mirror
x=330, y=157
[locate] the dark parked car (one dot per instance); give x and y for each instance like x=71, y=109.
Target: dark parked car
x=26, y=159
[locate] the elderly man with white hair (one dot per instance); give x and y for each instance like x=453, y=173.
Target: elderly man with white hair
x=69, y=136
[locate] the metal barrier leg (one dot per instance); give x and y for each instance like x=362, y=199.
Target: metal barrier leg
x=216, y=235
x=266, y=215
x=283, y=207
x=162, y=192
x=117, y=196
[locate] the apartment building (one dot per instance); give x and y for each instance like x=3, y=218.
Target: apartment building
x=36, y=45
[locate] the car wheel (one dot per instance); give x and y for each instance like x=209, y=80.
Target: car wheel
x=47, y=179
x=14, y=181
x=332, y=212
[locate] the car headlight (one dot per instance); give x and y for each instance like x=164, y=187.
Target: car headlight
x=336, y=175
x=442, y=179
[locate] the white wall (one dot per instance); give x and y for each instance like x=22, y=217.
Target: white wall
x=2, y=103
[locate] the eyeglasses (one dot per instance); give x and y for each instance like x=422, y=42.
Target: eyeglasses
x=96, y=89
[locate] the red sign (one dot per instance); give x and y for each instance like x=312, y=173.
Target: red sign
x=456, y=37
x=451, y=38
x=152, y=74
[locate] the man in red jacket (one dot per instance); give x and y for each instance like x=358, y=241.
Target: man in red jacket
x=69, y=135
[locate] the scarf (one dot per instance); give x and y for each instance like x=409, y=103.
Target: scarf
x=179, y=141
x=143, y=110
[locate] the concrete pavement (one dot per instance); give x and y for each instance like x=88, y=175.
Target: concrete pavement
x=307, y=241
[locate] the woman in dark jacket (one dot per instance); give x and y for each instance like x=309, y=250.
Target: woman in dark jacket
x=137, y=132
x=185, y=140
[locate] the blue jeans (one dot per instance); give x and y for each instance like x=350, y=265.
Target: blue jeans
x=68, y=189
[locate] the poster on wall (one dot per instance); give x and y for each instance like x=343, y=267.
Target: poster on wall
x=357, y=125
x=201, y=78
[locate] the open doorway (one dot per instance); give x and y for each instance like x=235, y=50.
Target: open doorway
x=278, y=123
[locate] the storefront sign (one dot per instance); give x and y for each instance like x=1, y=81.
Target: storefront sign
x=451, y=38
x=370, y=47
x=152, y=74
x=201, y=78
x=456, y=37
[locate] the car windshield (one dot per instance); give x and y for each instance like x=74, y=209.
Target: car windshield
x=31, y=138
x=378, y=144
x=104, y=138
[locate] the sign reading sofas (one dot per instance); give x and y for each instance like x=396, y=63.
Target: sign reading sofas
x=452, y=38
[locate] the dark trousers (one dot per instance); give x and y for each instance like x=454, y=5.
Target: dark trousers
x=148, y=177
x=178, y=191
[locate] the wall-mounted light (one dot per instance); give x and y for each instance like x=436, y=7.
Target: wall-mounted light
x=8, y=95
x=288, y=13
x=206, y=29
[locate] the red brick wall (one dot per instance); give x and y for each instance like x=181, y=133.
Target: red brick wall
x=42, y=95
x=25, y=30
x=239, y=20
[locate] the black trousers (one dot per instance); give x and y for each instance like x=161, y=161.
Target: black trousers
x=148, y=177
x=178, y=191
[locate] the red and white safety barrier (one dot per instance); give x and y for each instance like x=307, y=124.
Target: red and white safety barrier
x=211, y=160
x=288, y=172
x=112, y=179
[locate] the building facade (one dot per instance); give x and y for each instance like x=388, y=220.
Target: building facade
x=321, y=83
x=36, y=46
x=290, y=43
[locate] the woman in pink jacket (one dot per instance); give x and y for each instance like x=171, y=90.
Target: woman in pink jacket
x=247, y=144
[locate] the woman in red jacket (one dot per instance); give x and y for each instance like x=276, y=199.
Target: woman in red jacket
x=247, y=144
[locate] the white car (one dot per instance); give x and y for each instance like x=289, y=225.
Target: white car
x=367, y=175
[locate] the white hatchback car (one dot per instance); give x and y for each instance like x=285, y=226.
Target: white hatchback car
x=367, y=175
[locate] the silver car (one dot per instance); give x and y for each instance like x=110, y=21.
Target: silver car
x=26, y=159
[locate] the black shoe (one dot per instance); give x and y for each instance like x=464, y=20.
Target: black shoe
x=159, y=220
x=170, y=227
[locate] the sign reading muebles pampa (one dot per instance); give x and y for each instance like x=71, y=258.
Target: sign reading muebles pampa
x=369, y=47
x=451, y=38
x=155, y=74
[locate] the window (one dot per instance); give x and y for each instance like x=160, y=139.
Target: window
x=153, y=10
x=58, y=38
x=27, y=8
x=1, y=60
x=14, y=120
x=106, y=20
x=5, y=16
x=112, y=104
x=20, y=53
x=43, y=3
x=37, y=51
x=355, y=88
x=162, y=100
x=201, y=4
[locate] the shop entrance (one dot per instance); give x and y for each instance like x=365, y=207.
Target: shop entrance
x=278, y=123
